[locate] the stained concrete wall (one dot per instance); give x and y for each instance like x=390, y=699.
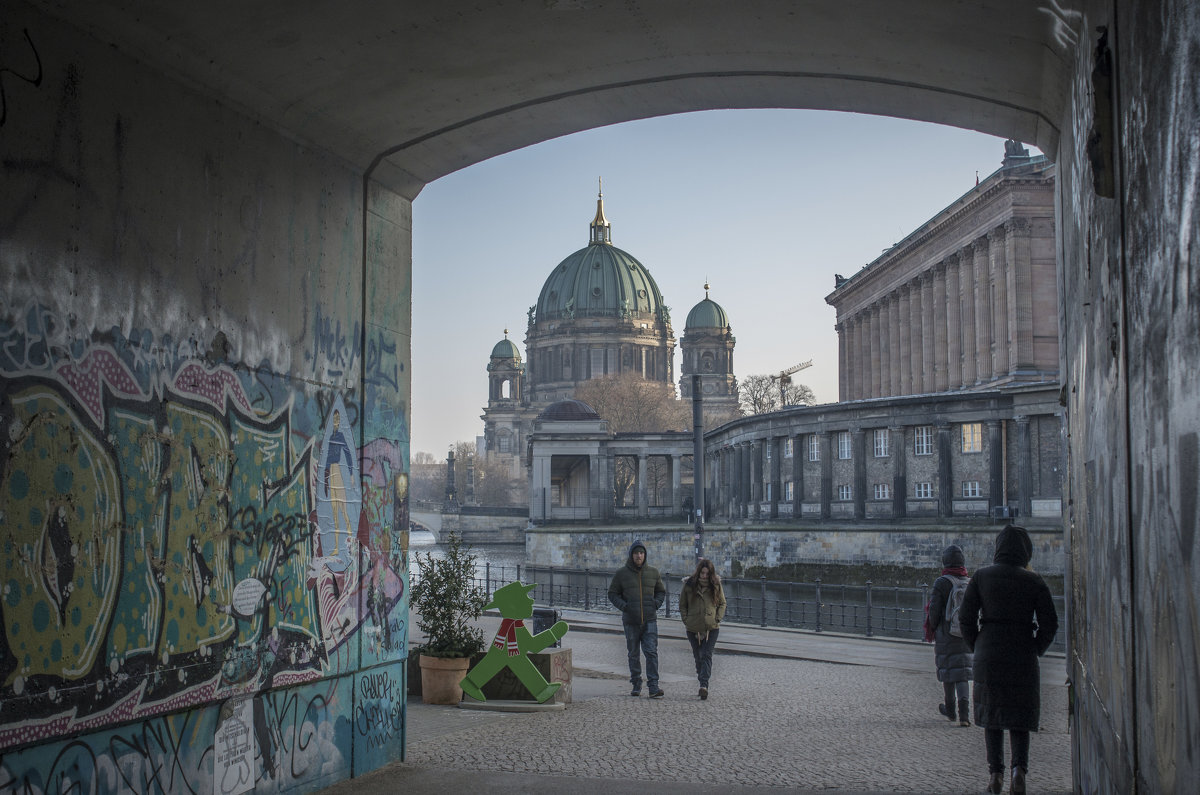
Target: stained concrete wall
x=204, y=337
x=1129, y=269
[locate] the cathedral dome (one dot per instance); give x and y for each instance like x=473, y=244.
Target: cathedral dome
x=600, y=280
x=568, y=410
x=506, y=349
x=707, y=314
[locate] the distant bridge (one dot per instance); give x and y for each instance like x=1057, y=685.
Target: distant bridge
x=428, y=520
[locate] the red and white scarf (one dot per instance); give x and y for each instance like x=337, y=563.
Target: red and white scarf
x=507, y=636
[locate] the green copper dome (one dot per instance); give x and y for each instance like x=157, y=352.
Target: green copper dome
x=707, y=314
x=506, y=349
x=600, y=281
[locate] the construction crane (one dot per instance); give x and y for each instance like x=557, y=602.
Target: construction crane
x=785, y=378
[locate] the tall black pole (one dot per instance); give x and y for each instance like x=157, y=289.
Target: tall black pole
x=698, y=464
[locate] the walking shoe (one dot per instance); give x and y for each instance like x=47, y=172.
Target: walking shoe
x=657, y=693
x=964, y=721
x=637, y=691
x=948, y=713
x=704, y=694
x=1017, y=785
x=996, y=784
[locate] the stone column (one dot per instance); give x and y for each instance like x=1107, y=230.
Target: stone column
x=945, y=476
x=642, y=496
x=904, y=363
x=885, y=348
x=966, y=280
x=917, y=360
x=1020, y=293
x=854, y=358
x=756, y=477
x=876, y=362
x=953, y=325
x=983, y=313
x=826, y=474
x=738, y=458
x=843, y=365
x=858, y=449
x=776, y=463
x=1000, y=330
x=899, y=451
x=894, y=345
x=927, y=333
x=940, y=378
x=996, y=495
x=676, y=490
x=1024, y=467
x=797, y=476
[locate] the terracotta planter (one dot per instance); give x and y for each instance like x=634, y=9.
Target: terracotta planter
x=440, y=677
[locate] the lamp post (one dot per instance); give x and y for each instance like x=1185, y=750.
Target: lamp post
x=698, y=465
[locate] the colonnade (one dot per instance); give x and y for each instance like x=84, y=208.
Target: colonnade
x=965, y=321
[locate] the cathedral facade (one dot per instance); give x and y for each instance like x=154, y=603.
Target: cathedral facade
x=600, y=313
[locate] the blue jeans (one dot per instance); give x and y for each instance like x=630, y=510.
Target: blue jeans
x=645, y=635
x=703, y=653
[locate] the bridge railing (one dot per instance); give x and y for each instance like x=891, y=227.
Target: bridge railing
x=856, y=609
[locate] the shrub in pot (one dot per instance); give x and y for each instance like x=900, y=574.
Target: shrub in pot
x=447, y=599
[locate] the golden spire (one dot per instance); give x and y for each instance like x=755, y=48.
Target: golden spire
x=601, y=228
x=706, y=289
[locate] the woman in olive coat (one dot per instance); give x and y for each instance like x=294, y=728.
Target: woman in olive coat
x=1009, y=620
x=702, y=606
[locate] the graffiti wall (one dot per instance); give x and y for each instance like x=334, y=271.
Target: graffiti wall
x=203, y=439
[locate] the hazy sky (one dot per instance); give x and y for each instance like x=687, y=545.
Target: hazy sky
x=766, y=205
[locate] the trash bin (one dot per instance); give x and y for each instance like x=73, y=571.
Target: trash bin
x=543, y=619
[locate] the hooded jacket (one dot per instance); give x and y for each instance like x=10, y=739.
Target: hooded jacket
x=636, y=591
x=701, y=609
x=998, y=616
x=952, y=655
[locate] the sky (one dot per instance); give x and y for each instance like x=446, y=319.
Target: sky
x=766, y=205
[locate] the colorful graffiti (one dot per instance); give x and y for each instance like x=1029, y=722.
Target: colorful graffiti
x=181, y=532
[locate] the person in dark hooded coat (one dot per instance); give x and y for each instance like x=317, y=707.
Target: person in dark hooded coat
x=952, y=655
x=1008, y=619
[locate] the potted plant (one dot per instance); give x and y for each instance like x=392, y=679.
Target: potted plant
x=447, y=599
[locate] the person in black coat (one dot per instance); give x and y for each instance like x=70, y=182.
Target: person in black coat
x=952, y=655
x=1008, y=619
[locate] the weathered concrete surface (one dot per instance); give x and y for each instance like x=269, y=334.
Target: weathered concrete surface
x=186, y=199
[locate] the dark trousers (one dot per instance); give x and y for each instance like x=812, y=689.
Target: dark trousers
x=703, y=653
x=1018, y=739
x=961, y=690
x=645, y=636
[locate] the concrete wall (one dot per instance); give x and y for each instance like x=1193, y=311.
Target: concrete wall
x=674, y=551
x=1129, y=268
x=198, y=316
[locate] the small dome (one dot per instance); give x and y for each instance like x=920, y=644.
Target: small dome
x=707, y=314
x=506, y=349
x=568, y=410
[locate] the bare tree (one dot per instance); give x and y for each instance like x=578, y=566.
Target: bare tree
x=495, y=485
x=630, y=403
x=426, y=478
x=758, y=394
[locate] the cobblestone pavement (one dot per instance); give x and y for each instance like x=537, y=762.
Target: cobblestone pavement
x=769, y=723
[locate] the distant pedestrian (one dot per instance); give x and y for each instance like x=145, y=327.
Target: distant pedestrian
x=951, y=653
x=637, y=590
x=1009, y=620
x=702, y=607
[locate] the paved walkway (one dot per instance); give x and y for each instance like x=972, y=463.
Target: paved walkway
x=789, y=711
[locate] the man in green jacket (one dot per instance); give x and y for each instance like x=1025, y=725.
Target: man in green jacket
x=637, y=590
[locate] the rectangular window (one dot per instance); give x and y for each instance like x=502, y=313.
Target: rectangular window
x=844, y=445
x=788, y=491
x=881, y=442
x=814, y=447
x=770, y=450
x=506, y=443
x=972, y=437
x=923, y=491
x=883, y=491
x=844, y=493
x=971, y=488
x=923, y=440
x=787, y=447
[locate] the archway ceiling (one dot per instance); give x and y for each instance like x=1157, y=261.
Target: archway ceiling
x=423, y=89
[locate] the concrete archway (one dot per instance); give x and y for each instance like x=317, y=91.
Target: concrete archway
x=159, y=158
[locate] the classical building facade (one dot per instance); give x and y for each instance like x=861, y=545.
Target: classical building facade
x=707, y=351
x=948, y=375
x=968, y=301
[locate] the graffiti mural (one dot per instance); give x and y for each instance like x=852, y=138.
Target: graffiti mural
x=180, y=532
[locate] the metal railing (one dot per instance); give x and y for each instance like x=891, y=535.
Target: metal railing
x=866, y=609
